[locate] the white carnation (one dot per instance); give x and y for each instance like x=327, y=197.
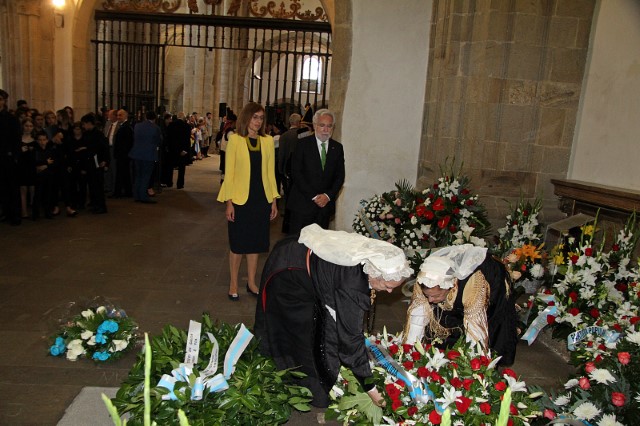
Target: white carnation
x=602, y=375
x=586, y=411
x=609, y=420
x=537, y=271
x=562, y=400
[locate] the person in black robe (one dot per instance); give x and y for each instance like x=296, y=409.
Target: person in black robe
x=314, y=293
x=463, y=290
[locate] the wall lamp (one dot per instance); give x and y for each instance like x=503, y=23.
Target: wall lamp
x=58, y=17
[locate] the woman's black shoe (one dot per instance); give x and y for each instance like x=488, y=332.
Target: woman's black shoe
x=251, y=291
x=233, y=297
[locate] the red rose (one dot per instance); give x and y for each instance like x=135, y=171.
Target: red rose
x=615, y=247
x=463, y=404
x=624, y=358
x=475, y=364
x=500, y=386
x=408, y=365
x=589, y=367
x=584, y=383
x=426, y=346
x=421, y=210
x=428, y=215
x=452, y=229
x=621, y=286
x=395, y=404
x=466, y=383
x=435, y=185
x=435, y=418
x=454, y=199
x=617, y=327
x=513, y=410
x=392, y=391
x=456, y=382
x=456, y=211
x=573, y=296
x=574, y=259
x=598, y=358
x=400, y=384
x=485, y=361
x=551, y=319
x=423, y=372
x=420, y=200
x=588, y=251
x=415, y=355
x=469, y=202
x=451, y=355
x=453, y=365
x=435, y=376
x=549, y=414
x=595, y=313
x=525, y=213
x=393, y=349
x=509, y=372
x=412, y=411
x=618, y=399
x=574, y=311
x=442, y=223
x=523, y=268
x=464, y=191
x=485, y=408
x=634, y=320
x=407, y=348
x=431, y=196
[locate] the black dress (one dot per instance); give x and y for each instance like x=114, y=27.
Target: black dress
x=27, y=164
x=249, y=232
x=295, y=317
x=501, y=312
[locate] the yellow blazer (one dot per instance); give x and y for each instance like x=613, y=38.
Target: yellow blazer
x=238, y=168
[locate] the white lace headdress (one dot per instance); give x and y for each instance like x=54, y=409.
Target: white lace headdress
x=379, y=258
x=449, y=263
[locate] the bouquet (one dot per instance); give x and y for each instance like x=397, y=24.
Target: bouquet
x=257, y=394
x=520, y=242
x=461, y=382
x=101, y=333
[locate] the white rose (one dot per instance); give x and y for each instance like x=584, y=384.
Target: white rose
x=87, y=314
x=86, y=335
x=101, y=310
x=74, y=349
x=92, y=341
x=119, y=345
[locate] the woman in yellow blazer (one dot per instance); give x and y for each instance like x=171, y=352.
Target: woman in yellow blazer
x=250, y=193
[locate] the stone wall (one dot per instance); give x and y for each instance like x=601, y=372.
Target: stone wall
x=502, y=95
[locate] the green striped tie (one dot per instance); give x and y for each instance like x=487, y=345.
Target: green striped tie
x=323, y=155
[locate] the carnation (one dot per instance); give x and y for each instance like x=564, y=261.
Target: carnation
x=586, y=411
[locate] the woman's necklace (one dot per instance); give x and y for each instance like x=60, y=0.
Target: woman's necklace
x=251, y=146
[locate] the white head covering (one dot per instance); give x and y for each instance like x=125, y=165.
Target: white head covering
x=379, y=258
x=449, y=263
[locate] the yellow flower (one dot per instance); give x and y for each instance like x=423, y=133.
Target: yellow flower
x=558, y=259
x=587, y=229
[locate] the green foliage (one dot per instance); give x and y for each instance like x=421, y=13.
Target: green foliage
x=258, y=394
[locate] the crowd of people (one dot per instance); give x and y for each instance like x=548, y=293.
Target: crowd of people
x=53, y=163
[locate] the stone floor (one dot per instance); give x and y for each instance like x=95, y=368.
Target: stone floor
x=162, y=263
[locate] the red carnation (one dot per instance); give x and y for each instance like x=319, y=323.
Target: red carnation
x=549, y=414
x=469, y=202
x=634, y=320
x=451, y=355
x=485, y=360
x=621, y=286
x=464, y=191
x=463, y=404
x=574, y=311
x=431, y=196
x=428, y=215
x=617, y=327
x=615, y=247
x=456, y=211
x=435, y=418
x=624, y=358
x=435, y=185
x=475, y=364
x=435, y=376
x=595, y=313
x=393, y=349
x=454, y=198
x=584, y=383
x=573, y=296
x=442, y=223
x=588, y=251
x=551, y=319
x=423, y=372
x=525, y=213
x=589, y=367
x=618, y=399
x=408, y=365
x=392, y=391
x=574, y=259
x=500, y=386
x=411, y=411
x=452, y=229
x=415, y=355
x=395, y=404
x=406, y=348
x=485, y=408
x=456, y=382
x=438, y=205
x=421, y=209
x=513, y=410
x=466, y=383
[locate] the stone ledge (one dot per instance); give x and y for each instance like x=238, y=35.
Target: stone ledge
x=597, y=195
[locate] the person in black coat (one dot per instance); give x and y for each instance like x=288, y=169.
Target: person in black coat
x=98, y=151
x=318, y=173
x=314, y=293
x=44, y=157
x=179, y=133
x=463, y=290
x=10, y=136
x=122, y=144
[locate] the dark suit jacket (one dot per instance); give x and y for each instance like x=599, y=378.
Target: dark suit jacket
x=123, y=141
x=179, y=134
x=308, y=178
x=146, y=140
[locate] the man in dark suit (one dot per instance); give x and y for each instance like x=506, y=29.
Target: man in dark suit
x=146, y=141
x=179, y=133
x=317, y=170
x=98, y=153
x=122, y=144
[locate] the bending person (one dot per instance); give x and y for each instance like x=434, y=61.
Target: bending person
x=314, y=293
x=463, y=290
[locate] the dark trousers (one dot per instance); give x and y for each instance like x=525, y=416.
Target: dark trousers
x=95, y=179
x=143, y=171
x=42, y=195
x=123, y=186
x=9, y=191
x=182, y=167
x=299, y=219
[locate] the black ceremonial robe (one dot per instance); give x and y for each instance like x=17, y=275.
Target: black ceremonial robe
x=312, y=319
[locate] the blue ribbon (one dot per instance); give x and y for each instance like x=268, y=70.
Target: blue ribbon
x=609, y=336
x=541, y=320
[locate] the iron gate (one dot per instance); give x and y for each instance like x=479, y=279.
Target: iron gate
x=130, y=56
